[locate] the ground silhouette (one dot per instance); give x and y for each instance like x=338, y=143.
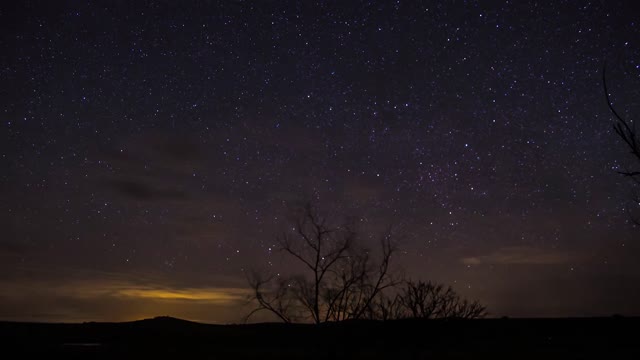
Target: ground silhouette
x=164, y=337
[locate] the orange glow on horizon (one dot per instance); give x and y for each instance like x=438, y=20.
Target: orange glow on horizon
x=120, y=299
x=215, y=295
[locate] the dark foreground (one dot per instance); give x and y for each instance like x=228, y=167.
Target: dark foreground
x=592, y=338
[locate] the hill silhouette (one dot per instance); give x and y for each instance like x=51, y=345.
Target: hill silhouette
x=166, y=337
x=165, y=322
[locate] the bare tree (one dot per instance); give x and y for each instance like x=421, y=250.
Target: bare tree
x=363, y=282
x=626, y=130
x=343, y=281
x=465, y=309
x=274, y=295
x=387, y=307
x=340, y=280
x=427, y=300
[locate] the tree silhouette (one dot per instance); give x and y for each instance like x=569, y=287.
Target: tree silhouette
x=340, y=280
x=427, y=300
x=627, y=132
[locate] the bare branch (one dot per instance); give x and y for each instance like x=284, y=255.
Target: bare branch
x=622, y=126
x=426, y=300
x=626, y=131
x=275, y=300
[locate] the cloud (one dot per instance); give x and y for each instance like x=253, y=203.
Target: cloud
x=101, y=288
x=98, y=296
x=210, y=295
x=140, y=190
x=521, y=255
x=155, y=166
x=10, y=246
x=178, y=148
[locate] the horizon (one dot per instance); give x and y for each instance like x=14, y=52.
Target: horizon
x=275, y=321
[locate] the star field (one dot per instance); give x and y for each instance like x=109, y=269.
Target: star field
x=153, y=149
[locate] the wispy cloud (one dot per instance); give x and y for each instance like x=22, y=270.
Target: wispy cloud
x=109, y=296
x=210, y=295
x=140, y=190
x=522, y=255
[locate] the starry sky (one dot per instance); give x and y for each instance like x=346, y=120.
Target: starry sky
x=150, y=151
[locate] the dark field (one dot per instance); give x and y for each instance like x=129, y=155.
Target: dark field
x=612, y=338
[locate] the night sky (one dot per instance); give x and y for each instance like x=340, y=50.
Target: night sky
x=150, y=151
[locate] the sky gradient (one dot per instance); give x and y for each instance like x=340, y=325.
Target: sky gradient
x=150, y=151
